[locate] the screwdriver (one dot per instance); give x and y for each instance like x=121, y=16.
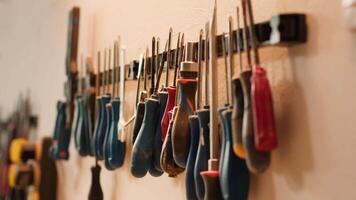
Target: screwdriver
x=101, y=124
x=234, y=175
x=82, y=131
x=115, y=148
x=167, y=161
x=257, y=161
x=201, y=161
x=140, y=98
x=143, y=147
x=261, y=98
x=95, y=192
x=211, y=177
x=194, y=133
x=186, y=106
x=238, y=103
x=171, y=90
x=156, y=169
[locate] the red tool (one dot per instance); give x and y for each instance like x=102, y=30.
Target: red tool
x=261, y=98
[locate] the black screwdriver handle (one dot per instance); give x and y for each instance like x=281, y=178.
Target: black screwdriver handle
x=257, y=161
x=140, y=112
x=95, y=192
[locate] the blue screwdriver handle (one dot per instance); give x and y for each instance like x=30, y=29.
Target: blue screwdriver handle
x=141, y=158
x=201, y=163
x=194, y=143
x=234, y=175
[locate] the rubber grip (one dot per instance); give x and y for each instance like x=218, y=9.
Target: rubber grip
x=212, y=185
x=142, y=151
x=194, y=143
x=222, y=135
x=172, y=91
x=234, y=175
x=75, y=122
x=162, y=98
x=82, y=135
x=167, y=162
x=237, y=118
x=257, y=162
x=140, y=111
x=106, y=154
x=115, y=147
x=59, y=149
x=96, y=126
x=103, y=122
x=201, y=163
x=95, y=192
x=180, y=131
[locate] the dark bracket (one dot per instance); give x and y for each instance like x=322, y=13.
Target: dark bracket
x=280, y=30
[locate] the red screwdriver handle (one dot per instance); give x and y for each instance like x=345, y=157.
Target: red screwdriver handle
x=263, y=114
x=169, y=106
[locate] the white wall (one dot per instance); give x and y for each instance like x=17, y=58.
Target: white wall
x=313, y=85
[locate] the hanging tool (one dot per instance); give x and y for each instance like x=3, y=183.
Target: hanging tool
x=115, y=148
x=140, y=98
x=187, y=84
x=203, y=152
x=156, y=169
x=261, y=98
x=101, y=124
x=59, y=150
x=257, y=161
x=238, y=96
x=172, y=90
x=95, y=192
x=167, y=161
x=82, y=129
x=234, y=175
x=211, y=177
x=194, y=132
x=142, y=152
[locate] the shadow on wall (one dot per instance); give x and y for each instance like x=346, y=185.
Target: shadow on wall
x=294, y=157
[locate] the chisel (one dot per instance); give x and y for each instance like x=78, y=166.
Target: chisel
x=261, y=98
x=201, y=161
x=101, y=124
x=142, y=152
x=234, y=175
x=115, y=148
x=257, y=162
x=211, y=177
x=238, y=99
x=194, y=132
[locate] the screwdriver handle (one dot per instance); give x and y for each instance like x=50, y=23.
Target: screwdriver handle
x=75, y=122
x=167, y=162
x=263, y=114
x=140, y=111
x=234, y=175
x=102, y=123
x=59, y=148
x=194, y=143
x=162, y=98
x=95, y=192
x=82, y=134
x=212, y=185
x=180, y=131
x=203, y=152
x=96, y=126
x=171, y=101
x=142, y=151
x=237, y=117
x=108, y=113
x=114, y=147
x=257, y=161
